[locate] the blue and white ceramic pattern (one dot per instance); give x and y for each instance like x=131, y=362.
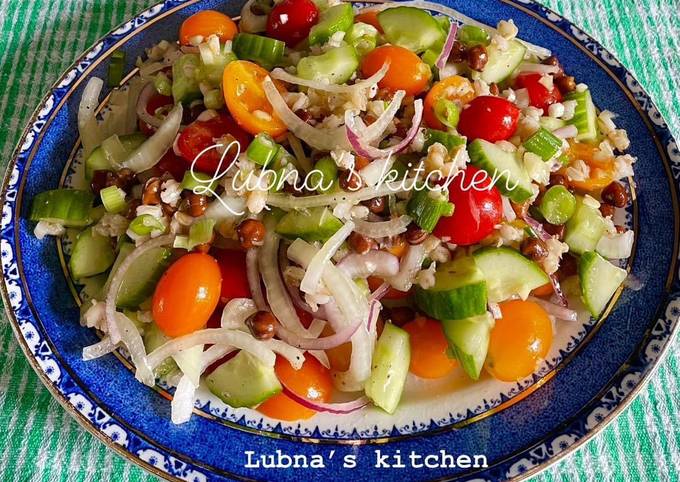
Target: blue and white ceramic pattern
x=586, y=381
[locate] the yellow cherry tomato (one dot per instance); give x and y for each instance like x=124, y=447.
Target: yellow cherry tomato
x=455, y=88
x=206, y=23
x=406, y=70
x=428, y=349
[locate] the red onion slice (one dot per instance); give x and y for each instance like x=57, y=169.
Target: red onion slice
x=142, y=101
x=537, y=227
x=253, y=274
x=364, y=149
x=557, y=311
x=448, y=45
x=557, y=288
x=338, y=408
x=373, y=313
x=380, y=291
x=325, y=343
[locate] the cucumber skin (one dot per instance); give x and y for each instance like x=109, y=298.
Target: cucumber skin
x=92, y=254
x=502, y=64
x=502, y=285
x=478, y=151
x=584, y=229
x=391, y=361
x=71, y=213
x=153, y=338
x=336, y=65
x=140, y=280
x=585, y=116
x=336, y=19
x=469, y=342
x=297, y=224
x=410, y=27
x=97, y=159
x=452, y=305
x=611, y=279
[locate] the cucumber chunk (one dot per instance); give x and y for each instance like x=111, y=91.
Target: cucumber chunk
x=265, y=51
x=557, y=205
x=584, y=229
x=92, y=254
x=410, y=27
x=391, y=359
x=585, y=115
x=68, y=207
x=153, y=338
x=336, y=66
x=363, y=37
x=315, y=224
x=98, y=160
x=502, y=63
x=459, y=291
x=510, y=175
x=508, y=273
x=243, y=381
x=185, y=80
x=338, y=18
x=599, y=281
x=469, y=341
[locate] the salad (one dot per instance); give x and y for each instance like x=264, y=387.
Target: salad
x=317, y=203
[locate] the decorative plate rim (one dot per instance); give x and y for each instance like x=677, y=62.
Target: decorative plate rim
x=180, y=470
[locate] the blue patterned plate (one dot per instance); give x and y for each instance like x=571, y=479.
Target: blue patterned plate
x=593, y=372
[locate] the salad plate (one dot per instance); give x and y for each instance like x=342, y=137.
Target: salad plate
x=502, y=427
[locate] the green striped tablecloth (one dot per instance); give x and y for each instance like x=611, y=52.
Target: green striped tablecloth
x=40, y=441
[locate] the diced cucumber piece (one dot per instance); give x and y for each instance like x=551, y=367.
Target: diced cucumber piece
x=469, y=341
x=185, y=78
x=584, y=229
x=336, y=66
x=585, y=115
x=459, y=291
x=265, y=51
x=551, y=123
x=391, y=359
x=508, y=273
x=154, y=338
x=557, y=205
x=189, y=362
x=599, y=281
x=363, y=37
x=505, y=167
x=140, y=280
x=450, y=141
x=97, y=160
x=263, y=149
x=315, y=224
x=92, y=254
x=68, y=207
x=324, y=176
x=426, y=207
x=338, y=18
x=502, y=63
x=243, y=381
x=470, y=35
x=410, y=27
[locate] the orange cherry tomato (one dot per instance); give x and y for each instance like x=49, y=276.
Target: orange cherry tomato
x=392, y=293
x=370, y=17
x=428, y=349
x=543, y=290
x=338, y=357
x=455, y=88
x=246, y=100
x=398, y=246
x=187, y=294
x=519, y=340
x=601, y=170
x=206, y=23
x=313, y=381
x=406, y=72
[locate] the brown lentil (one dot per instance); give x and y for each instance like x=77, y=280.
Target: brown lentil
x=304, y=115
x=566, y=84
x=101, y=179
x=554, y=61
x=568, y=267
x=132, y=209
x=534, y=249
x=415, y=234
x=457, y=54
x=152, y=191
x=559, y=180
x=477, y=57
x=251, y=233
x=615, y=194
x=554, y=230
x=349, y=180
x=620, y=229
x=360, y=243
x=198, y=203
x=607, y=209
x=376, y=205
x=262, y=325
x=400, y=315
x=494, y=89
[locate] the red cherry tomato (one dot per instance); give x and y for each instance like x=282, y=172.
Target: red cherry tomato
x=234, y=276
x=200, y=135
x=539, y=95
x=173, y=164
x=478, y=208
x=489, y=118
x=291, y=20
x=156, y=101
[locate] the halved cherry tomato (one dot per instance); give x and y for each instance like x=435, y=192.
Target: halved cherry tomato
x=519, y=340
x=187, y=294
x=291, y=20
x=305, y=318
x=428, y=349
x=406, y=72
x=246, y=100
x=339, y=356
x=601, y=170
x=172, y=164
x=478, y=208
x=370, y=17
x=200, y=135
x=206, y=23
x=312, y=381
x=156, y=101
x=392, y=293
x=543, y=290
x=454, y=88
x=234, y=274
x=539, y=95
x=397, y=246
x=489, y=118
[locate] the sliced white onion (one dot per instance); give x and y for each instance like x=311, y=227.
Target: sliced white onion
x=616, y=246
x=378, y=263
x=448, y=46
x=557, y=311
x=236, y=312
x=318, y=138
x=376, y=170
x=299, y=153
x=410, y=265
x=253, y=274
x=287, y=201
x=144, y=96
x=150, y=152
x=312, y=278
x=118, y=277
x=508, y=213
x=530, y=67
x=182, y=403
x=367, y=83
x=337, y=408
x=495, y=311
x=325, y=343
x=566, y=132
x=294, y=356
x=132, y=340
x=87, y=121
x=375, y=132
x=99, y=349
x=373, y=313
x=382, y=229
x=380, y=291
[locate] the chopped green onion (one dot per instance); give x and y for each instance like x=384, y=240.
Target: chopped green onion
x=469, y=35
x=68, y=207
x=116, y=68
x=265, y=51
x=181, y=242
x=204, y=182
x=263, y=149
x=450, y=141
x=163, y=84
x=113, y=199
x=201, y=232
x=448, y=112
x=363, y=37
x=146, y=224
x=426, y=207
x=324, y=175
x=544, y=144
x=213, y=99
x=557, y=205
